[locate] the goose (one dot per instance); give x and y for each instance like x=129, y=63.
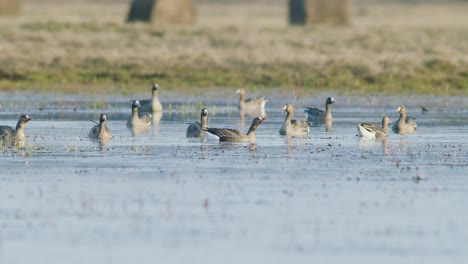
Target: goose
x=252, y=106
x=292, y=127
x=152, y=105
x=15, y=134
x=143, y=121
x=233, y=135
x=100, y=131
x=404, y=124
x=194, y=129
x=366, y=130
x=318, y=116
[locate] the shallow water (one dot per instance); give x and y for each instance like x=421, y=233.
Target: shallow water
x=328, y=197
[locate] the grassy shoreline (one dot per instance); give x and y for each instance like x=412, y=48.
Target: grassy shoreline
x=66, y=51
x=344, y=78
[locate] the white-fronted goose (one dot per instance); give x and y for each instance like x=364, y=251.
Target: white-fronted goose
x=317, y=116
x=15, y=134
x=404, y=125
x=372, y=131
x=292, y=127
x=153, y=105
x=100, y=131
x=252, y=106
x=136, y=121
x=194, y=129
x=233, y=135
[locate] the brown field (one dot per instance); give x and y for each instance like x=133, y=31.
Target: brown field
x=85, y=47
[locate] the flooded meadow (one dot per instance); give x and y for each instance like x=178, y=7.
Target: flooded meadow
x=155, y=195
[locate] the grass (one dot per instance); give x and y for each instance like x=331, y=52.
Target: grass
x=87, y=48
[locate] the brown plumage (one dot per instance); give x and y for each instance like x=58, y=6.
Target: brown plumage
x=100, y=131
x=153, y=105
x=233, y=135
x=404, y=124
x=136, y=121
x=251, y=106
x=194, y=129
x=292, y=127
x=372, y=131
x=318, y=116
x=15, y=135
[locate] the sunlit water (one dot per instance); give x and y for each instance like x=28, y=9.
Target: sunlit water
x=162, y=198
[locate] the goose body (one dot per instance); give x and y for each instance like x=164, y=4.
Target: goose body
x=234, y=135
x=366, y=130
x=318, y=116
x=152, y=105
x=404, y=125
x=137, y=121
x=252, y=106
x=100, y=131
x=15, y=134
x=292, y=127
x=194, y=129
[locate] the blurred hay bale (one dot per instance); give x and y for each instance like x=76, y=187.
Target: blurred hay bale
x=174, y=12
x=10, y=7
x=162, y=11
x=335, y=12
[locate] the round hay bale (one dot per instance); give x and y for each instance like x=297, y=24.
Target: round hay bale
x=162, y=11
x=173, y=12
x=10, y=7
x=335, y=12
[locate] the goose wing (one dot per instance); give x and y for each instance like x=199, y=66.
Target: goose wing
x=224, y=132
x=303, y=124
x=314, y=112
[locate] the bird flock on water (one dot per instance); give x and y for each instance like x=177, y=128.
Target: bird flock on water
x=144, y=110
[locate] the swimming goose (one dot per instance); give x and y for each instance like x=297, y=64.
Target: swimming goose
x=16, y=134
x=317, y=116
x=100, y=131
x=292, y=127
x=404, y=125
x=233, y=135
x=251, y=106
x=194, y=129
x=153, y=105
x=372, y=131
x=136, y=121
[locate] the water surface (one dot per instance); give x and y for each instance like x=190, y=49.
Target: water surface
x=158, y=196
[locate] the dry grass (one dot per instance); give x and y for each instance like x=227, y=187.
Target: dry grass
x=10, y=7
x=388, y=49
